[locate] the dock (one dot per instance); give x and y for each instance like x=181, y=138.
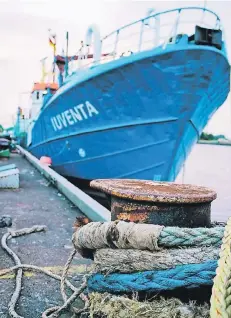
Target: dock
x=37, y=202
x=46, y=198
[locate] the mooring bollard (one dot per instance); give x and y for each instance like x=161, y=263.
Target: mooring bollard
x=163, y=203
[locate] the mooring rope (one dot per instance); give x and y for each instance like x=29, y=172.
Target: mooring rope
x=112, y=306
x=64, y=275
x=124, y=235
x=51, y=312
x=190, y=276
x=174, y=236
x=63, y=281
x=221, y=291
x=15, y=296
x=108, y=260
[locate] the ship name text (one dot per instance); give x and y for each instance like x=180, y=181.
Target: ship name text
x=73, y=115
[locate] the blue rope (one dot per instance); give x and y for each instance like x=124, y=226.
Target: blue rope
x=190, y=276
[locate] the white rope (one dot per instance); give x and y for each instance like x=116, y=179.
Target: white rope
x=53, y=312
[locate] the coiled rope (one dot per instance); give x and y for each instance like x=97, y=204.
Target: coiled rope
x=221, y=291
x=124, y=235
x=112, y=306
x=182, y=276
x=190, y=276
x=174, y=236
x=51, y=312
x=108, y=260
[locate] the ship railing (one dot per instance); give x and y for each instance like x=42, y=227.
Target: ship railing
x=156, y=30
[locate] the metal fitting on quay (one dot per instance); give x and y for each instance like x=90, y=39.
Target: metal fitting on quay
x=163, y=203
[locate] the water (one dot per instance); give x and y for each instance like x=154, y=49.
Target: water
x=210, y=166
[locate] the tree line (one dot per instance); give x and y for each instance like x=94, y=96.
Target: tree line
x=205, y=136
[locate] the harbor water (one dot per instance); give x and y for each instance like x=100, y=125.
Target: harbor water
x=210, y=165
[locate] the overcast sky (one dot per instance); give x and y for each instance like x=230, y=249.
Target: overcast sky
x=24, y=28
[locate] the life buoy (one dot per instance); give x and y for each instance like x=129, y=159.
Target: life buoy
x=46, y=160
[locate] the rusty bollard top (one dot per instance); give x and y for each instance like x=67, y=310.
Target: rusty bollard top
x=150, y=191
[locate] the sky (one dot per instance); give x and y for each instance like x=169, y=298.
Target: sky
x=24, y=28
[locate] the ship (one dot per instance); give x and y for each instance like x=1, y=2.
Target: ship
x=132, y=104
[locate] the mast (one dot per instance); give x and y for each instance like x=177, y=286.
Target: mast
x=54, y=61
x=52, y=42
x=66, y=60
x=44, y=72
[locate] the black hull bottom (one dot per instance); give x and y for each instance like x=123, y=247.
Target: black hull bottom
x=84, y=185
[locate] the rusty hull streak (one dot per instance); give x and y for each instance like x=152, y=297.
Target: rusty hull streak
x=149, y=191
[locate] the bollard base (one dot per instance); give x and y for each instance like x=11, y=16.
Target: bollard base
x=182, y=215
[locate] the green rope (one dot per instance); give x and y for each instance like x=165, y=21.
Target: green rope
x=174, y=236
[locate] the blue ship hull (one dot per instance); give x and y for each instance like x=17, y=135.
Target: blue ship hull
x=135, y=117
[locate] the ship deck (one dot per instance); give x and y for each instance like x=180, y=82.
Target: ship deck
x=37, y=203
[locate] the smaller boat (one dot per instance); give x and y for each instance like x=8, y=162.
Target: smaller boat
x=4, y=148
